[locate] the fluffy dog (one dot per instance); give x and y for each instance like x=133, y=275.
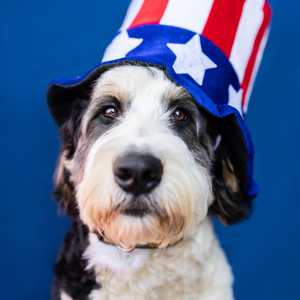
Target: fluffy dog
x=139, y=160
x=144, y=166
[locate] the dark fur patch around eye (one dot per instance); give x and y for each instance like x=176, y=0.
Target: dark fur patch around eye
x=193, y=130
x=188, y=126
x=100, y=123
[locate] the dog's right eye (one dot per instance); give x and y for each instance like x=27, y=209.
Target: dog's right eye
x=110, y=112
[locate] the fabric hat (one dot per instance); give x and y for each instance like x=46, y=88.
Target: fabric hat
x=212, y=48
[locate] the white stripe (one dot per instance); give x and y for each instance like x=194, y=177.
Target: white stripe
x=255, y=68
x=188, y=14
x=251, y=19
x=120, y=46
x=133, y=10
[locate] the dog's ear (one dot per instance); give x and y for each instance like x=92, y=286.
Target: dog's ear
x=63, y=188
x=69, y=132
x=231, y=204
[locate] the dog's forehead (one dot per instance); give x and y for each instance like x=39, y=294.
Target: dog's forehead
x=137, y=85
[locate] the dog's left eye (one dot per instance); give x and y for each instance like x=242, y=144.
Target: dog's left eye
x=110, y=112
x=179, y=115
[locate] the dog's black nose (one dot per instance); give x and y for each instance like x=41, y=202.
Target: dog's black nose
x=137, y=173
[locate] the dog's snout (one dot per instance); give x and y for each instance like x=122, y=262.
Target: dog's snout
x=137, y=173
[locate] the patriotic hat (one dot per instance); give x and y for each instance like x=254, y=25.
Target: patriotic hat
x=212, y=48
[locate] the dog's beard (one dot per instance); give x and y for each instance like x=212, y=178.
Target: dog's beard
x=167, y=214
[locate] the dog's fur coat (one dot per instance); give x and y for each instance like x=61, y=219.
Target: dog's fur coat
x=198, y=180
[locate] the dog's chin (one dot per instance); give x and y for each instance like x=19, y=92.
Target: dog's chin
x=137, y=227
x=140, y=220
x=134, y=227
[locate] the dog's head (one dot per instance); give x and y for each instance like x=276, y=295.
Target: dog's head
x=142, y=163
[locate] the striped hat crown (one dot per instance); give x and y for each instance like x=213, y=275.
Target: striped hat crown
x=233, y=35
x=212, y=48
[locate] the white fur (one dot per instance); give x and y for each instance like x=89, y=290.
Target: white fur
x=101, y=256
x=194, y=269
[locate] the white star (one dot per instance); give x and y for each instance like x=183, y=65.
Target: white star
x=191, y=60
x=235, y=98
x=121, y=45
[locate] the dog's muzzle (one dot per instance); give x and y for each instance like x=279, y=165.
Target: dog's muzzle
x=137, y=173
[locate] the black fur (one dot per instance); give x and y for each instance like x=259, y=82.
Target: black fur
x=231, y=206
x=70, y=274
x=70, y=133
x=64, y=194
x=99, y=123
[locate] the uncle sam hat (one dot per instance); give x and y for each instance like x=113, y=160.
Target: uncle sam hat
x=212, y=48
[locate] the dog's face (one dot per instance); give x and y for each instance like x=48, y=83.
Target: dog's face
x=138, y=157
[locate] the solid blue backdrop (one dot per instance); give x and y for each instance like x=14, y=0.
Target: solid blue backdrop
x=41, y=40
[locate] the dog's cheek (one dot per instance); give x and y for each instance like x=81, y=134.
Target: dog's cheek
x=95, y=189
x=186, y=190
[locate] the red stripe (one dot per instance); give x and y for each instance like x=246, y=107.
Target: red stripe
x=150, y=12
x=249, y=69
x=222, y=23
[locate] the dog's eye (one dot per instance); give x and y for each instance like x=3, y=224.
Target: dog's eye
x=179, y=115
x=110, y=112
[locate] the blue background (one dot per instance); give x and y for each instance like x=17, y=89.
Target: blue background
x=41, y=40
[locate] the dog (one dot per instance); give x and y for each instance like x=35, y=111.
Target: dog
x=147, y=159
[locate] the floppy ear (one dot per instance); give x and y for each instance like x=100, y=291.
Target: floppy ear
x=69, y=134
x=231, y=204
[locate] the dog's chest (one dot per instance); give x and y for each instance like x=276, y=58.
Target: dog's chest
x=184, y=271
x=146, y=274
